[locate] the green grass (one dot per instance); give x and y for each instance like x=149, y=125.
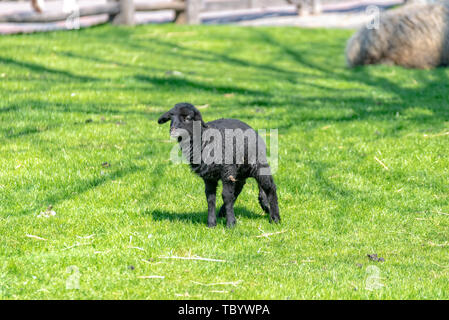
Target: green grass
x=338, y=204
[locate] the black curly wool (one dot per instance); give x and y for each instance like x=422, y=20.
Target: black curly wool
x=250, y=162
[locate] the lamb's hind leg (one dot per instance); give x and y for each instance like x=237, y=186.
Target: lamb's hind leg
x=237, y=190
x=211, y=190
x=228, y=200
x=266, y=183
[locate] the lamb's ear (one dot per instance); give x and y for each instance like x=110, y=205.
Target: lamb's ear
x=198, y=117
x=164, y=118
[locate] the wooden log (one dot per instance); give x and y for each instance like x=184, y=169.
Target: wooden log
x=31, y=17
x=111, y=8
x=227, y=5
x=126, y=13
x=163, y=5
x=415, y=2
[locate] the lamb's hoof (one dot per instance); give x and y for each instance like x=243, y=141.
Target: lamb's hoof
x=275, y=219
x=230, y=223
x=222, y=212
x=211, y=224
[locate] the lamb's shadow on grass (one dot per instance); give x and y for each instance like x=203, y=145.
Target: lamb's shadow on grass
x=199, y=217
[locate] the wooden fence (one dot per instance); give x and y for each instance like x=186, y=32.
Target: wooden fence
x=119, y=12
x=123, y=11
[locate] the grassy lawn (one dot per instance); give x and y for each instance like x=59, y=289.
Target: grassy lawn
x=72, y=101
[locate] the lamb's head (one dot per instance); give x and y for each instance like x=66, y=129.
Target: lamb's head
x=182, y=116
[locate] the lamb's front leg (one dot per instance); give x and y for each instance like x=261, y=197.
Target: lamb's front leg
x=211, y=193
x=228, y=202
x=238, y=188
x=266, y=183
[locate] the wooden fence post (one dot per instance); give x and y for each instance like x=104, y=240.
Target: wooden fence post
x=299, y=4
x=126, y=14
x=316, y=7
x=193, y=11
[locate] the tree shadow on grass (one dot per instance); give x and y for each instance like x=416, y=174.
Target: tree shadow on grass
x=80, y=187
x=307, y=67
x=177, y=50
x=83, y=186
x=329, y=189
x=86, y=109
x=170, y=83
x=94, y=59
x=40, y=69
x=199, y=217
x=435, y=83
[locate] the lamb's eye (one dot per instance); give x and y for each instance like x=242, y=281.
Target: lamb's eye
x=188, y=118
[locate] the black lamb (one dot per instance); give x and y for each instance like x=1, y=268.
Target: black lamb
x=246, y=159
